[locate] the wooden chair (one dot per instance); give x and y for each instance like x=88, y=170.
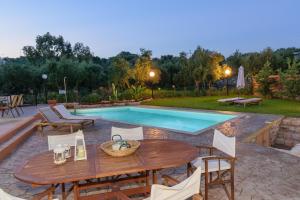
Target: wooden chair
x=190, y=187
x=218, y=165
x=20, y=102
x=11, y=103
x=67, y=139
x=128, y=133
x=6, y=196
x=14, y=103
x=52, y=119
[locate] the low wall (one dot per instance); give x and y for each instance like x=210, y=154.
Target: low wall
x=267, y=135
x=282, y=133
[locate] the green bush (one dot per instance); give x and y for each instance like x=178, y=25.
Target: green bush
x=91, y=98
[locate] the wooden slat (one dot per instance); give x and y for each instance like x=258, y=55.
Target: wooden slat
x=152, y=155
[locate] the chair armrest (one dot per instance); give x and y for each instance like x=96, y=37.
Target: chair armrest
x=219, y=158
x=209, y=148
x=168, y=180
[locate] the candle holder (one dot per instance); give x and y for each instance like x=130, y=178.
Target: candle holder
x=59, y=155
x=67, y=151
x=80, y=148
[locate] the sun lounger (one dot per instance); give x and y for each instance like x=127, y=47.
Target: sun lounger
x=248, y=101
x=229, y=100
x=54, y=120
x=65, y=114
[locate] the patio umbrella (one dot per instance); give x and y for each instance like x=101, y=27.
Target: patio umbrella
x=241, y=79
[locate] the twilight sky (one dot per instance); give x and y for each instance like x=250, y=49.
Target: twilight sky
x=163, y=26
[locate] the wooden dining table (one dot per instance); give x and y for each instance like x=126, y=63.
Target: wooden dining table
x=152, y=155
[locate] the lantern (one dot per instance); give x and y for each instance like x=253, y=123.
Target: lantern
x=67, y=151
x=80, y=148
x=59, y=155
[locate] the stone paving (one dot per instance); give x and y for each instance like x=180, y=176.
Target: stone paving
x=261, y=173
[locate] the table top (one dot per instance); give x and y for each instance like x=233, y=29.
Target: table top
x=151, y=155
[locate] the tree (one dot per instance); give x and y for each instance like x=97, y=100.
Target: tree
x=200, y=63
x=183, y=77
x=170, y=66
x=120, y=73
x=82, y=53
x=216, y=69
x=142, y=67
x=291, y=79
x=263, y=79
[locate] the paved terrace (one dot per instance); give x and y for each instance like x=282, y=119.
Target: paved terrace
x=261, y=173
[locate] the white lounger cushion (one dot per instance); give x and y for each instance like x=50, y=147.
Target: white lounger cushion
x=213, y=165
x=67, y=115
x=229, y=99
x=183, y=190
x=6, y=196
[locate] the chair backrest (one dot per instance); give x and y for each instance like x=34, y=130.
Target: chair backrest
x=14, y=100
x=61, y=109
x=224, y=143
x=6, y=196
x=128, y=133
x=183, y=190
x=54, y=140
x=20, y=100
x=49, y=114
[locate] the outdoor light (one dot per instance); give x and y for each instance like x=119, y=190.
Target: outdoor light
x=80, y=148
x=227, y=71
x=44, y=76
x=227, y=74
x=151, y=74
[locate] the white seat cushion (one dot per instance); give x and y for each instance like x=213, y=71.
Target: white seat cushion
x=213, y=165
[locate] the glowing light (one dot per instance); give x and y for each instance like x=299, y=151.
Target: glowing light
x=151, y=74
x=227, y=71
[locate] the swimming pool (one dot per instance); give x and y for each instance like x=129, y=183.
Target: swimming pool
x=177, y=120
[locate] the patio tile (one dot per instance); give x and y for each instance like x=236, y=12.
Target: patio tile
x=261, y=173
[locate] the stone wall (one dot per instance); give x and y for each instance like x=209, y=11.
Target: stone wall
x=283, y=133
x=267, y=135
x=289, y=132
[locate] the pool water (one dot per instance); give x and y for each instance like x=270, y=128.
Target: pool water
x=183, y=121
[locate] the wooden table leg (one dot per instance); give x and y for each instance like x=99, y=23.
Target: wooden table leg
x=147, y=178
x=63, y=191
x=154, y=177
x=76, y=191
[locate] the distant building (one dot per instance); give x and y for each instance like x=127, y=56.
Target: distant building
x=297, y=55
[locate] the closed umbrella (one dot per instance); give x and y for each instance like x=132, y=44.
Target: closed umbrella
x=241, y=79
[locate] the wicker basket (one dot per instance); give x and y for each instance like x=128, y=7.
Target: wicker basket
x=107, y=148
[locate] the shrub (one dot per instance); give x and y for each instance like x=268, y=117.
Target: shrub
x=91, y=98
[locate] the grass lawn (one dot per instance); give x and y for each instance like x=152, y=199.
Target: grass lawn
x=268, y=106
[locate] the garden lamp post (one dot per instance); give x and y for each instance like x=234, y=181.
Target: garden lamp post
x=65, y=86
x=45, y=77
x=152, y=74
x=227, y=74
